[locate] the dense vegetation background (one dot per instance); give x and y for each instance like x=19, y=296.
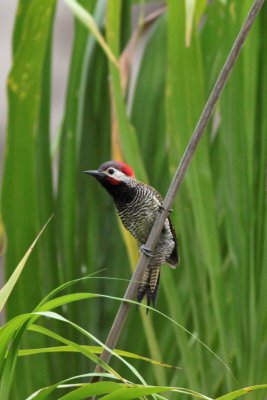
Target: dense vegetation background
x=143, y=111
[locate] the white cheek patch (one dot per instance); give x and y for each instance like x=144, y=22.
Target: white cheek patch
x=117, y=176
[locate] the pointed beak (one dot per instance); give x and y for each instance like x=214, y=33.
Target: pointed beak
x=94, y=172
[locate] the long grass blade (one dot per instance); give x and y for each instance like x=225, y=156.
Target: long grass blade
x=6, y=290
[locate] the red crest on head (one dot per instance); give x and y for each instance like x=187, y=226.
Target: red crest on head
x=121, y=166
x=125, y=168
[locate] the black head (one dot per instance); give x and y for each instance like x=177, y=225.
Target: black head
x=115, y=177
x=112, y=172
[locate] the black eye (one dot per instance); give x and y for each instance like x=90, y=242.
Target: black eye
x=111, y=171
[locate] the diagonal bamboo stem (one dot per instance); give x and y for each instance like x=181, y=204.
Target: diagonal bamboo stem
x=123, y=311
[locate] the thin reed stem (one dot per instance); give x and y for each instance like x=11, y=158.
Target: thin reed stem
x=130, y=293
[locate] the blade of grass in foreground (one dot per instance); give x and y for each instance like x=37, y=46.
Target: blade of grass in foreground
x=241, y=392
x=11, y=332
x=65, y=299
x=105, y=387
x=130, y=392
x=92, y=349
x=8, y=287
x=56, y=316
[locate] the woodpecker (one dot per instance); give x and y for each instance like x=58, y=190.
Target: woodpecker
x=138, y=205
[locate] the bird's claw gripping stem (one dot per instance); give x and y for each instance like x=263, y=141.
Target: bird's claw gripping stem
x=146, y=251
x=161, y=208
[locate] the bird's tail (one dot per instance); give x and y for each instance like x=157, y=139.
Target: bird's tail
x=149, y=286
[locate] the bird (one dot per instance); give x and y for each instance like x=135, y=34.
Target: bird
x=138, y=205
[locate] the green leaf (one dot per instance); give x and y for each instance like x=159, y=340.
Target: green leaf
x=93, y=349
x=6, y=290
x=19, y=195
x=100, y=387
x=241, y=392
x=92, y=389
x=86, y=18
x=129, y=392
x=19, y=178
x=53, y=315
x=124, y=139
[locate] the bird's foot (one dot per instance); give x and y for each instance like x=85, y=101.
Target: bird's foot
x=146, y=251
x=161, y=208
